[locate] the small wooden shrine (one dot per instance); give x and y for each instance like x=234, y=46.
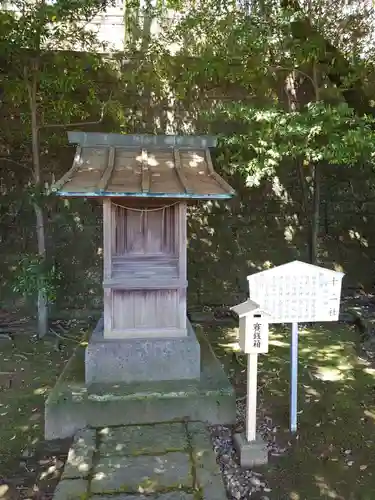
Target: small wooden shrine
x=144, y=183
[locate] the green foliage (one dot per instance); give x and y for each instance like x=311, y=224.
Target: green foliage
x=222, y=53
x=47, y=25
x=49, y=56
x=49, y=47
x=320, y=134
x=33, y=274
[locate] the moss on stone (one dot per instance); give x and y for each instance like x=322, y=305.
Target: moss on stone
x=145, y=451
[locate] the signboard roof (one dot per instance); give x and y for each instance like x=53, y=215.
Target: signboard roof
x=245, y=308
x=296, y=267
x=248, y=307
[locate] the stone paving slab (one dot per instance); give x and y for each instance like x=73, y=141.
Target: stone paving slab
x=142, y=473
x=71, y=489
x=173, y=495
x=80, y=456
x=142, y=439
x=207, y=471
x=141, y=462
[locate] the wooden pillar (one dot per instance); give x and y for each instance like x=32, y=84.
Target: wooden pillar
x=107, y=263
x=181, y=226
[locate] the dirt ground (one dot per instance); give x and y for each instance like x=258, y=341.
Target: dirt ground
x=28, y=370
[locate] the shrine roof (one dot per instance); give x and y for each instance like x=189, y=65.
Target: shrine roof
x=139, y=166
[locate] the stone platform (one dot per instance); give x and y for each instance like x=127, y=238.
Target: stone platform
x=73, y=405
x=171, y=461
x=138, y=360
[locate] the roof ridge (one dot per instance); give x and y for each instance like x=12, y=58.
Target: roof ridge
x=123, y=140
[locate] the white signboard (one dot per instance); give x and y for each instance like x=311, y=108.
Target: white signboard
x=253, y=337
x=297, y=292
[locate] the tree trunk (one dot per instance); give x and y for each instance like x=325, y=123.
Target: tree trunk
x=315, y=216
x=146, y=28
x=40, y=227
x=131, y=19
x=333, y=62
x=42, y=299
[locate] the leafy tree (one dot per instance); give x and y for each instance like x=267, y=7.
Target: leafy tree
x=280, y=57
x=320, y=135
x=43, y=81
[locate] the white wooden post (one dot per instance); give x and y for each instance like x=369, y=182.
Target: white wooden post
x=253, y=340
x=294, y=378
x=251, y=407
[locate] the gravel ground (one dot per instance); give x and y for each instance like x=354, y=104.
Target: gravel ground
x=242, y=483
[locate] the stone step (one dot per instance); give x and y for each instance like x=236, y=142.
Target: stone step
x=170, y=461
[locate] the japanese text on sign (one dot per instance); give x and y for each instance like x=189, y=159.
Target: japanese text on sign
x=253, y=335
x=256, y=336
x=297, y=297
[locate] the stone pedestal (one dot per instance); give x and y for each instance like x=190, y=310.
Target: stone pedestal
x=141, y=360
x=251, y=453
x=74, y=404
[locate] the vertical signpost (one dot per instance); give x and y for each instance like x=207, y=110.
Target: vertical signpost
x=297, y=293
x=253, y=340
x=294, y=378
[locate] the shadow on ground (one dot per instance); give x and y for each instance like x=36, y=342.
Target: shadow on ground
x=28, y=371
x=333, y=456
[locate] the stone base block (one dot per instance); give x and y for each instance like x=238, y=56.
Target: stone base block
x=139, y=360
x=251, y=453
x=72, y=405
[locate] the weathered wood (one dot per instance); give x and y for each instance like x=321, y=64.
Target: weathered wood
x=216, y=176
x=145, y=291
x=129, y=203
x=145, y=173
x=70, y=173
x=173, y=172
x=181, y=225
x=114, y=230
x=103, y=183
x=151, y=267
x=144, y=248
x=145, y=284
x=107, y=238
x=179, y=172
x=149, y=310
x=145, y=140
x=144, y=233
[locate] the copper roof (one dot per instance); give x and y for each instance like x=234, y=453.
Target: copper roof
x=142, y=166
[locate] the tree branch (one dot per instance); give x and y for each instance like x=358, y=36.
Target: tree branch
x=303, y=73
x=78, y=124
x=5, y=158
